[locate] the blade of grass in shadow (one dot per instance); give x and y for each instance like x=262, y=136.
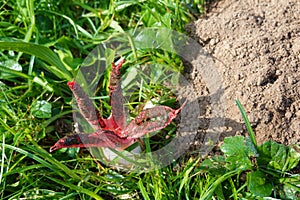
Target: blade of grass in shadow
x=210, y=191
x=186, y=175
x=14, y=72
x=36, y=79
x=74, y=25
x=248, y=125
x=143, y=190
x=69, y=196
x=77, y=188
x=233, y=189
x=52, y=119
x=6, y=127
x=42, y=52
x=24, y=169
x=2, y=158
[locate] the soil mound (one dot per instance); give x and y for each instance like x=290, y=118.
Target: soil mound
x=256, y=48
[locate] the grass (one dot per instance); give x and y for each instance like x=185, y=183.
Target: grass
x=43, y=45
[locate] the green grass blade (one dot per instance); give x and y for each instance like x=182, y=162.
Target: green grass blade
x=30, y=155
x=56, y=117
x=6, y=127
x=186, y=175
x=209, y=193
x=143, y=190
x=14, y=72
x=42, y=52
x=2, y=158
x=46, y=160
x=24, y=169
x=248, y=125
x=77, y=188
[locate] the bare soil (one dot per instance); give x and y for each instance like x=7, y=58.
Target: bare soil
x=256, y=48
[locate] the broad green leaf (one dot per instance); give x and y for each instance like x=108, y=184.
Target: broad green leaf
x=42, y=52
x=154, y=39
x=252, y=151
x=273, y=155
x=214, y=165
x=72, y=152
x=290, y=191
x=258, y=184
x=12, y=65
x=236, y=153
x=293, y=157
x=6, y=73
x=41, y=109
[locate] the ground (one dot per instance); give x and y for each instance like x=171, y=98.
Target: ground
x=256, y=49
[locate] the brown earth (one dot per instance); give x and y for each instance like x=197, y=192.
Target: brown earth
x=256, y=49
